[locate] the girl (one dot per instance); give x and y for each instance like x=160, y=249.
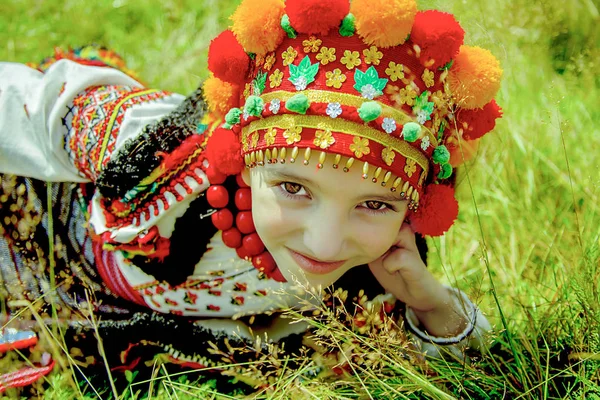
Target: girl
x=323, y=154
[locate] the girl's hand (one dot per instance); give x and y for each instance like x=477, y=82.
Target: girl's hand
x=402, y=273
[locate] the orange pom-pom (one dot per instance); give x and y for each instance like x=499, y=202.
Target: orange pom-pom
x=384, y=23
x=257, y=25
x=316, y=16
x=463, y=152
x=224, y=152
x=438, y=209
x=220, y=96
x=474, y=77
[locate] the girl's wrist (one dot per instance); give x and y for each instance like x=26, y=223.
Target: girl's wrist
x=446, y=319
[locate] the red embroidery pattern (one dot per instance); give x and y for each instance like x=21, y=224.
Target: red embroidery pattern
x=97, y=117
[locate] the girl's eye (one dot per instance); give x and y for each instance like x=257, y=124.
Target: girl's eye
x=291, y=188
x=375, y=205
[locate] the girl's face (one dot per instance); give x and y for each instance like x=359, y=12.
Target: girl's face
x=319, y=223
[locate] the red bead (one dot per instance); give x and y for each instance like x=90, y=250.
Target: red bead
x=277, y=276
x=215, y=177
x=240, y=181
x=244, y=222
x=264, y=262
x=242, y=253
x=222, y=219
x=217, y=196
x=243, y=199
x=232, y=238
x=253, y=244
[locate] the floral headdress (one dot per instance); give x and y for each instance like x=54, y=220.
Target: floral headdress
x=386, y=88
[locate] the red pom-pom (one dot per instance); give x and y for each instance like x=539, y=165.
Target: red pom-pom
x=438, y=35
x=227, y=59
x=438, y=209
x=244, y=222
x=232, y=238
x=479, y=121
x=222, y=219
x=316, y=16
x=217, y=196
x=215, y=177
x=243, y=199
x=224, y=152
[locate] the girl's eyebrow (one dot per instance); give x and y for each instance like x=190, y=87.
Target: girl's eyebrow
x=391, y=197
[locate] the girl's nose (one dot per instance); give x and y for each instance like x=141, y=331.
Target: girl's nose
x=324, y=234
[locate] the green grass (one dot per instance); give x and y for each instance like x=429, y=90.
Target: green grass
x=527, y=247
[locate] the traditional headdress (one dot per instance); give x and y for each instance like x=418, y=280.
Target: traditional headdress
x=386, y=88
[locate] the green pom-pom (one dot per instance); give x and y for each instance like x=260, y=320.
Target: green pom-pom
x=298, y=103
x=445, y=171
x=369, y=111
x=233, y=116
x=348, y=27
x=254, y=106
x=441, y=155
x=287, y=27
x=411, y=131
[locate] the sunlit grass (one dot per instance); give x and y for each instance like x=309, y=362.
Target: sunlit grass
x=527, y=244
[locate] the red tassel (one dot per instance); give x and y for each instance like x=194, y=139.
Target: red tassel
x=438, y=35
x=227, y=60
x=316, y=16
x=224, y=152
x=438, y=209
x=479, y=121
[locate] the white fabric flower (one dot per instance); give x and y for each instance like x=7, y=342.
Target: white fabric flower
x=389, y=125
x=425, y=143
x=275, y=106
x=300, y=83
x=246, y=115
x=334, y=110
x=368, y=91
x=422, y=116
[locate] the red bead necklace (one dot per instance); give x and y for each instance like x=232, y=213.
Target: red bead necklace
x=238, y=230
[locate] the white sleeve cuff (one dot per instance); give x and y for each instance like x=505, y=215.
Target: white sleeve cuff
x=472, y=336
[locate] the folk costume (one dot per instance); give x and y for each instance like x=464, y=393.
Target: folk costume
x=128, y=202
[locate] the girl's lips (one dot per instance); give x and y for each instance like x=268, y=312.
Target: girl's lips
x=314, y=266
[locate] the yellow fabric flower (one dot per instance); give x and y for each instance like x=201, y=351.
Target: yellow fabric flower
x=372, y=55
x=388, y=155
x=269, y=61
x=360, y=147
x=326, y=55
x=323, y=139
x=395, y=71
x=311, y=45
x=428, y=78
x=292, y=135
x=270, y=136
x=410, y=167
x=275, y=78
x=440, y=99
x=351, y=59
x=407, y=96
x=335, y=78
x=247, y=90
x=289, y=56
x=254, y=139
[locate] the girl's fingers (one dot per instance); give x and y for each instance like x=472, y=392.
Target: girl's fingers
x=406, y=238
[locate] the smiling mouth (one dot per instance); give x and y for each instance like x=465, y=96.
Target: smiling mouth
x=313, y=266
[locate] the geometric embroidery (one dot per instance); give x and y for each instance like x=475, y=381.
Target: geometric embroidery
x=98, y=113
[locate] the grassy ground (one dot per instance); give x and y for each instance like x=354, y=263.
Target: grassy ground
x=527, y=245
